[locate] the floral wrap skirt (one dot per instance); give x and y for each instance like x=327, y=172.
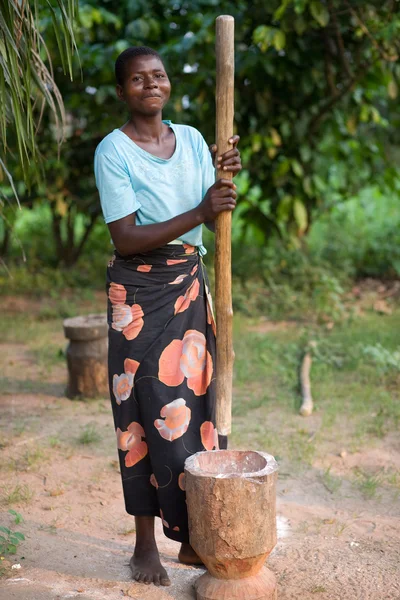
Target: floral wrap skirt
x=162, y=377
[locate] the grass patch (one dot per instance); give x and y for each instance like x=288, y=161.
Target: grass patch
x=127, y=531
x=367, y=483
x=355, y=403
x=89, y=435
x=330, y=482
x=54, y=441
x=28, y=460
x=318, y=589
x=354, y=380
x=19, y=494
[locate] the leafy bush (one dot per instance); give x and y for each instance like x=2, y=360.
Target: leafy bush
x=360, y=237
x=385, y=360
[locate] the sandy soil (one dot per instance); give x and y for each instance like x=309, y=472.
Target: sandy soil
x=333, y=543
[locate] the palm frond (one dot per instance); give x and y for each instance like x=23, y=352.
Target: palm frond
x=26, y=77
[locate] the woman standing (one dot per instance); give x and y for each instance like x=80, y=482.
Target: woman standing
x=156, y=185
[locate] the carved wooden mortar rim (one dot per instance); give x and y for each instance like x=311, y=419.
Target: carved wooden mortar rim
x=230, y=464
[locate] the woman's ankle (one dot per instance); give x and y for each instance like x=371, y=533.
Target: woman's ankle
x=145, y=538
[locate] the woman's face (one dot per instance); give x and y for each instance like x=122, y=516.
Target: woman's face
x=146, y=87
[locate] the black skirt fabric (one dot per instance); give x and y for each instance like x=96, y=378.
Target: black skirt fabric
x=162, y=376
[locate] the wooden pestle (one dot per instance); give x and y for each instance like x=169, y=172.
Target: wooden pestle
x=225, y=29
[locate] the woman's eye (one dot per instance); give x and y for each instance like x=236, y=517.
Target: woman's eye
x=135, y=78
x=160, y=75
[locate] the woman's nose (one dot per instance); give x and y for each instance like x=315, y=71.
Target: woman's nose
x=150, y=83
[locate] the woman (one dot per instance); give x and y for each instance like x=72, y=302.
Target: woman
x=156, y=185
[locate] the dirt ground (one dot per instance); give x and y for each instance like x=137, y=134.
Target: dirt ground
x=58, y=469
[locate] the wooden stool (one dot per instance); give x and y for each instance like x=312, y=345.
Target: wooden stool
x=87, y=356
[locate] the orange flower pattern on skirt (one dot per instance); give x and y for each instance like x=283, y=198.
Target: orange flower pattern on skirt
x=189, y=249
x=187, y=358
x=209, y=436
x=131, y=441
x=122, y=386
x=131, y=366
x=176, y=417
x=183, y=302
x=210, y=311
x=178, y=279
x=144, y=268
x=128, y=319
x=164, y=522
x=117, y=293
x=176, y=261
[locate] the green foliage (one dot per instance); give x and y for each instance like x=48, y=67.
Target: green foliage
x=382, y=358
x=283, y=282
x=361, y=237
x=10, y=539
x=316, y=105
x=18, y=518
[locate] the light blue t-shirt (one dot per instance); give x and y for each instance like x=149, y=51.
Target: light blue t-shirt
x=129, y=179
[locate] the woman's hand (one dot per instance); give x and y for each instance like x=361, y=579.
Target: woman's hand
x=220, y=196
x=230, y=161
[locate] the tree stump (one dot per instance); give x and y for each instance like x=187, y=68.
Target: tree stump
x=87, y=356
x=231, y=497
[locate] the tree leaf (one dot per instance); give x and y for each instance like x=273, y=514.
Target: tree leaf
x=297, y=168
x=279, y=39
x=300, y=215
x=319, y=12
x=393, y=90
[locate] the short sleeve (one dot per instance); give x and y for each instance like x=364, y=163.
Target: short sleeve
x=117, y=196
x=207, y=167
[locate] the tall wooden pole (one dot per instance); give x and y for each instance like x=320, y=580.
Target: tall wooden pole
x=225, y=29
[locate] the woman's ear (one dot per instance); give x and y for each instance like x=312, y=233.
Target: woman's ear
x=120, y=92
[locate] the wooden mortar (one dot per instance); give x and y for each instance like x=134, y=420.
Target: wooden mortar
x=231, y=497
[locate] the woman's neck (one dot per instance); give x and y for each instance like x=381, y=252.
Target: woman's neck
x=145, y=129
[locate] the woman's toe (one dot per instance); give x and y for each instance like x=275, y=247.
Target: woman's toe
x=165, y=580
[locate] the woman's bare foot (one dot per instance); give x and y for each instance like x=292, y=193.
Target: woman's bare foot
x=145, y=562
x=147, y=568
x=188, y=556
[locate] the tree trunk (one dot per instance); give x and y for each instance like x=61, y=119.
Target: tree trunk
x=5, y=243
x=69, y=251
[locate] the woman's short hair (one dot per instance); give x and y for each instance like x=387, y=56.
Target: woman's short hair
x=127, y=55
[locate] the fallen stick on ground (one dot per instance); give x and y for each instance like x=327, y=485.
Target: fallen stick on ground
x=307, y=404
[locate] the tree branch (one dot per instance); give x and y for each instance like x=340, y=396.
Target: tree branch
x=383, y=54
x=333, y=100
x=329, y=73
x=341, y=48
x=79, y=248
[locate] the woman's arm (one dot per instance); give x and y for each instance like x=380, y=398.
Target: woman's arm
x=130, y=238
